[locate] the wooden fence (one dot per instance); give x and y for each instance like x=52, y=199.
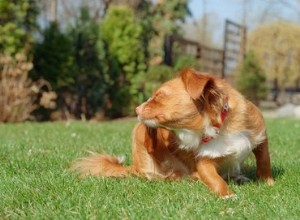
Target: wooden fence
x=213, y=60
x=234, y=46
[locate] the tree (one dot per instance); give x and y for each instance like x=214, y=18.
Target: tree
x=277, y=48
x=165, y=20
x=53, y=59
x=90, y=62
x=73, y=62
x=17, y=23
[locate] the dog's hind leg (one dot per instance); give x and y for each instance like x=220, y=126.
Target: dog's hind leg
x=263, y=163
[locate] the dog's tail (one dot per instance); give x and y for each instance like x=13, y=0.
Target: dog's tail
x=102, y=165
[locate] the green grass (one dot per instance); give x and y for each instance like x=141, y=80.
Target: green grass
x=35, y=182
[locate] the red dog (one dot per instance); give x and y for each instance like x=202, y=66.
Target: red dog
x=193, y=125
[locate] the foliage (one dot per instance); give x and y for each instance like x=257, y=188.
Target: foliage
x=54, y=61
x=121, y=33
x=35, y=182
x=89, y=65
x=53, y=58
x=251, y=81
x=171, y=11
x=165, y=20
x=18, y=95
x=17, y=22
x=73, y=63
x=95, y=66
x=277, y=48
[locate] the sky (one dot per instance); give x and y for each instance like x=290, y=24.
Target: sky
x=256, y=12
x=233, y=9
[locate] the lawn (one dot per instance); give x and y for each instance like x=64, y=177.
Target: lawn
x=35, y=182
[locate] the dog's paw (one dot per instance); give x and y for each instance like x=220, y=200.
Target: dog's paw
x=269, y=181
x=231, y=197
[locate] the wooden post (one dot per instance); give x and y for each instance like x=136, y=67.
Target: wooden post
x=224, y=50
x=168, y=44
x=230, y=54
x=53, y=11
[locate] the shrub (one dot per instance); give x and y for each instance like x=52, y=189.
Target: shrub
x=19, y=96
x=251, y=80
x=122, y=34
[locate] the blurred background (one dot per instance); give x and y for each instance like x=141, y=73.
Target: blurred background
x=98, y=59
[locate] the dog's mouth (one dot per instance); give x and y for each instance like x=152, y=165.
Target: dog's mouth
x=153, y=123
x=148, y=122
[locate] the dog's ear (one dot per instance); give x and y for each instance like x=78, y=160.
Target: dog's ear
x=196, y=84
x=201, y=88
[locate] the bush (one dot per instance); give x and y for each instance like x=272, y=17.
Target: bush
x=251, y=80
x=19, y=96
x=122, y=34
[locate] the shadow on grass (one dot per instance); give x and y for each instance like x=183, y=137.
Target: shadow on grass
x=250, y=172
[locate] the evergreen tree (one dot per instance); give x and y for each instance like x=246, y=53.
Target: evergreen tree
x=53, y=58
x=90, y=65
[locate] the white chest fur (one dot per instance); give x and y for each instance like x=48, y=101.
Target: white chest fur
x=189, y=140
x=234, y=146
x=224, y=144
x=237, y=145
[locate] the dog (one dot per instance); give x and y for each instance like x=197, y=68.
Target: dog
x=194, y=125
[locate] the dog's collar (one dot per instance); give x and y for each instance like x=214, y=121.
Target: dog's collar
x=223, y=116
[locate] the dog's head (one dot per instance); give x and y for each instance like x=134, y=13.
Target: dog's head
x=184, y=102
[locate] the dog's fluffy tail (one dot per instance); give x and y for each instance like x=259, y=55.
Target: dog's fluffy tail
x=101, y=165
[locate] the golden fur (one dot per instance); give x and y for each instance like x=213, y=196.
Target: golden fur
x=169, y=140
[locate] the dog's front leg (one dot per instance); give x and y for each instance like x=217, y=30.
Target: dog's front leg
x=207, y=170
x=263, y=164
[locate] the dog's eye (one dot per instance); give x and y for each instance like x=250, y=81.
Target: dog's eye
x=159, y=95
